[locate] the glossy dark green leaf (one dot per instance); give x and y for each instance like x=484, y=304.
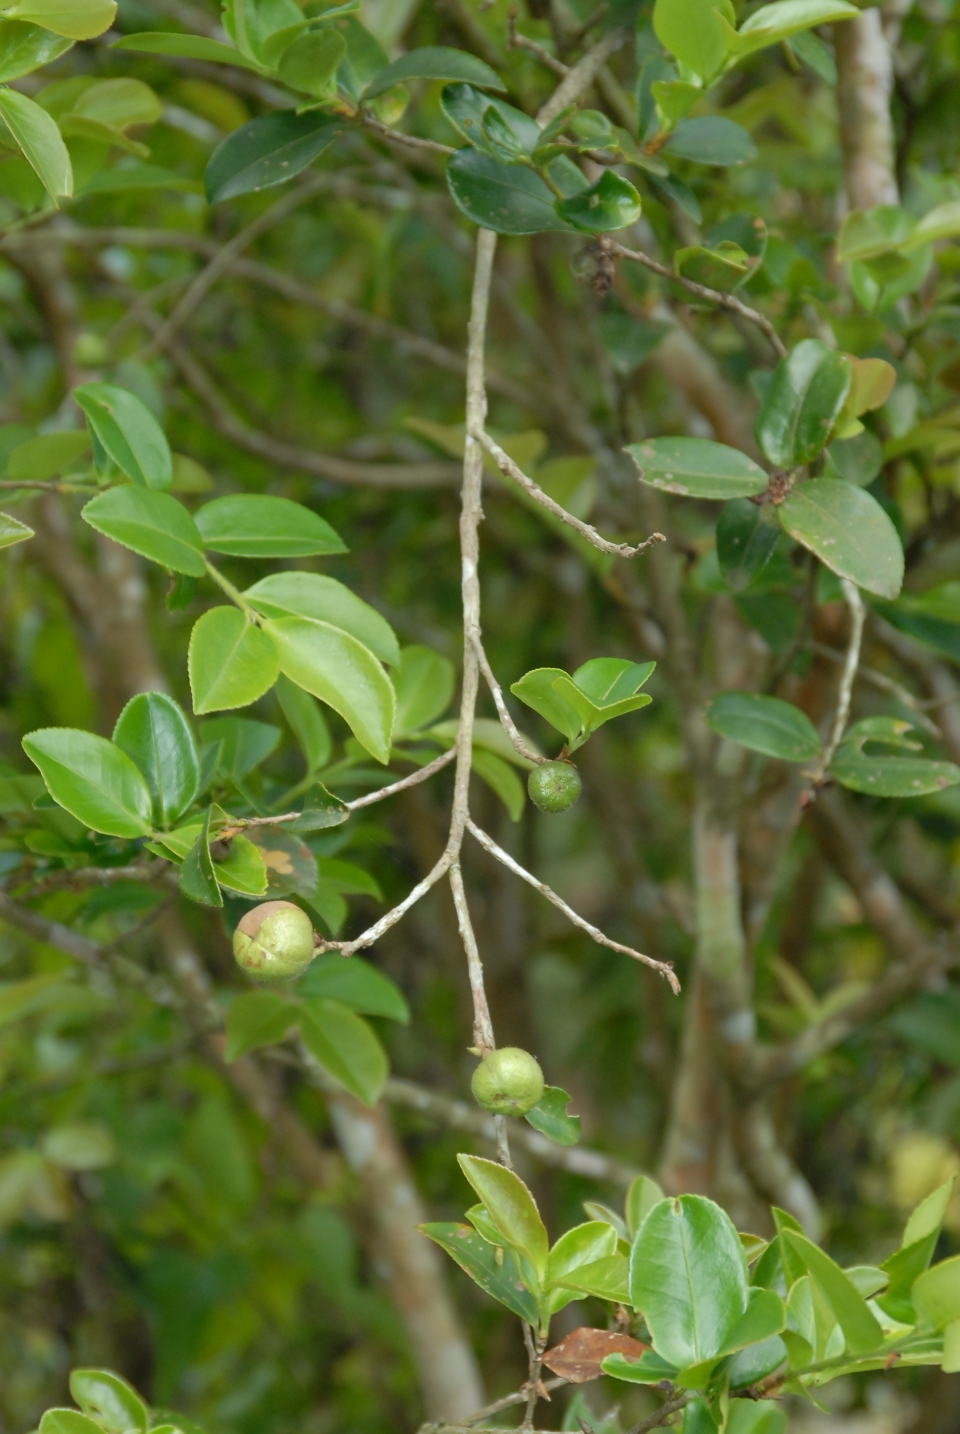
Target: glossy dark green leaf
x=650, y=1368
x=611, y=203
x=290, y=867
x=478, y=1257
x=883, y=774
x=197, y=878
x=311, y=595
x=365, y=57
x=697, y=468
x=711, y=139
x=512, y=1208
x=550, y=1117
x=255, y=1019
x=25, y=47
x=110, y=1400
x=257, y=525
x=848, y=531
x=467, y=110
x=761, y=1416
x=435, y=62
x=807, y=393
x=507, y=198
x=188, y=47
x=764, y=724
x=310, y=64
x=153, y=731
x=269, y=150
x=153, y=524
x=320, y=810
x=747, y=534
x=92, y=779
x=345, y=1045
x=857, y=460
x=231, y=662
x=357, y=984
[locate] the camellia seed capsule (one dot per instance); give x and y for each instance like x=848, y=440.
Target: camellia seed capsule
x=554, y=786
x=274, y=941
x=508, y=1081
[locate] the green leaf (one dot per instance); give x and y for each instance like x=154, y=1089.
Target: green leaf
x=345, y=1045
x=765, y=1316
x=424, y=685
x=688, y=1277
x=256, y=525
x=764, y=724
x=310, y=64
x=321, y=810
x=550, y=1117
x=129, y=433
x=230, y=661
x=13, y=531
x=243, y=868
x=188, y=47
x=691, y=30
x=857, y=460
x=773, y=23
x=24, y=48
x=807, y=393
x=479, y=1259
x=747, y=534
x=269, y=150
x=244, y=744
x=642, y=1195
x=537, y=689
x=365, y=58
x=46, y=455
x=711, y=139
x=888, y=776
x=153, y=731
x=943, y=222
x=848, y=531
x=310, y=595
x=343, y=673
x=118, y=104
x=40, y=140
x=605, y=1279
x=860, y=1328
x=512, y=1208
x=580, y=1246
x=761, y=1416
x=611, y=203
x=109, y=1399
x=92, y=779
x=255, y=1019
x=936, y=1294
x=594, y=714
x=469, y=111
x=697, y=468
x=723, y=268
x=306, y=722
x=508, y=198
x=153, y=524
x=68, y=1421
x=435, y=62
x=73, y=19
x=868, y=233
x=358, y=985
x=197, y=878
x=648, y=1369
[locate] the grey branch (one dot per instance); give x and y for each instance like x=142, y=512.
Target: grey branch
x=374, y=932
x=409, y=141
x=578, y=80
x=506, y=721
x=854, y=601
x=413, y=780
x=507, y=466
x=663, y=968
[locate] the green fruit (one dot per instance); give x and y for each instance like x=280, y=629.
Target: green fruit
x=554, y=786
x=274, y=941
x=508, y=1081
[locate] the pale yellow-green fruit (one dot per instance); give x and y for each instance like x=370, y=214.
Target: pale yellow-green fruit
x=274, y=941
x=508, y=1081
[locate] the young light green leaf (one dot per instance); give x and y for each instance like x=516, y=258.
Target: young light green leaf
x=68, y=1421
x=24, y=48
x=761, y=1416
x=611, y=203
x=868, y=233
x=110, y=1400
x=848, y=531
x=512, y=1208
x=648, y=1369
x=269, y=150
x=153, y=524
x=499, y=1277
x=255, y=1019
x=936, y=1294
x=345, y=1045
x=187, y=47
x=47, y=454
x=230, y=661
x=605, y=1279
x=885, y=775
x=943, y=222
x=765, y=1316
x=358, y=985
x=342, y=672
x=73, y=19
x=257, y=525
x=691, y=30
x=306, y=721
x=435, y=62
x=537, y=689
x=243, y=869
x=508, y=198
x=711, y=139
x=643, y=1194
x=582, y=1245
x=764, y=724
x=807, y=393
x=311, y=595
x=550, y=1117
x=153, y=731
x=592, y=715
x=424, y=686
x=688, y=1277
x=40, y=140
x=697, y=468
x=860, y=1328
x=310, y=64
x=197, y=878
x=128, y=432
x=773, y=23
x=13, y=531
x=92, y=779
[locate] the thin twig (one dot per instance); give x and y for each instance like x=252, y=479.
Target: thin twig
x=713, y=296
x=506, y=721
x=488, y=1411
x=411, y=141
x=663, y=968
x=413, y=780
x=512, y=470
x=884, y=683
x=374, y=932
x=854, y=601
x=657, y=1420
x=579, y=79
x=516, y=41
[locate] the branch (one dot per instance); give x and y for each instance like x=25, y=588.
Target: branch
x=864, y=90
x=506, y=721
x=713, y=296
x=410, y=141
x=518, y=1397
x=516, y=41
x=578, y=80
x=373, y=933
x=507, y=466
x=851, y=594
x=413, y=780
x=884, y=683
x=663, y=968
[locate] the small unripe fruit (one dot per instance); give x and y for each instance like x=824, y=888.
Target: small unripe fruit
x=274, y=941
x=508, y=1081
x=554, y=786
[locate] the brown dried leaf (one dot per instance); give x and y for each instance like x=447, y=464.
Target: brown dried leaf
x=578, y=1357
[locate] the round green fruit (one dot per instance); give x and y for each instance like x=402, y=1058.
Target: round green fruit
x=274, y=941
x=554, y=786
x=508, y=1081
